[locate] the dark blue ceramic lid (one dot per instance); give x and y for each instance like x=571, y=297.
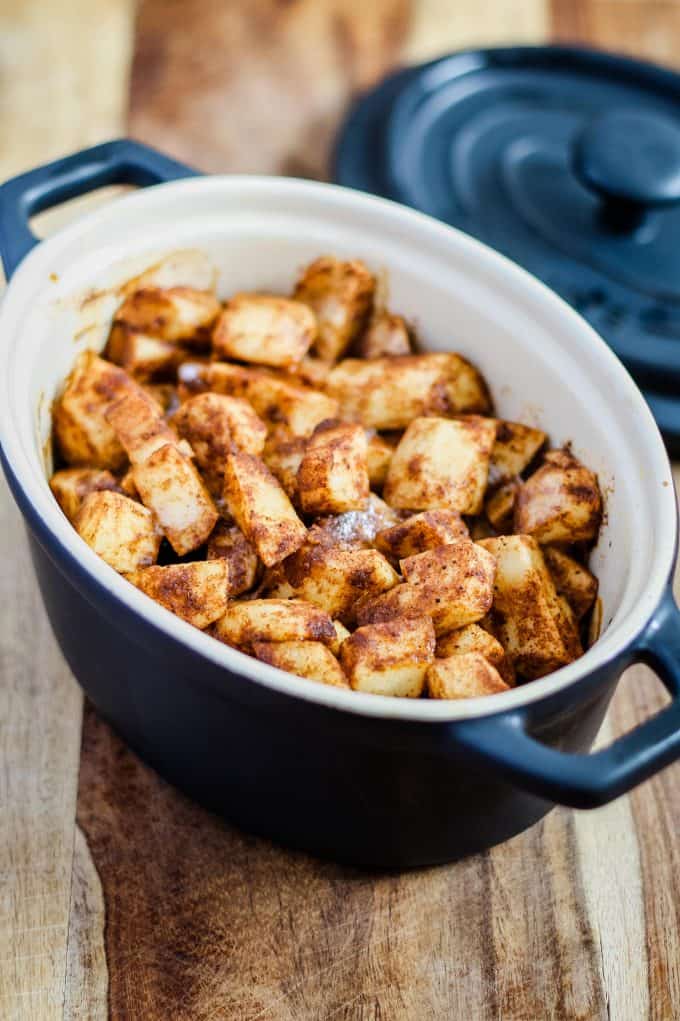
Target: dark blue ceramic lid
x=567, y=161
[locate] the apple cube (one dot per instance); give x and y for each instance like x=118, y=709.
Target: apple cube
x=333, y=474
x=120, y=531
x=572, y=580
x=560, y=502
x=71, y=485
x=467, y=675
x=227, y=542
x=390, y=658
x=139, y=354
x=274, y=620
x=452, y=584
x=213, y=425
x=140, y=426
x=341, y=296
x=264, y=329
x=527, y=617
x=262, y=510
x=171, y=488
x=441, y=463
x=196, y=592
x=421, y=532
x=473, y=638
x=514, y=448
x=385, y=336
x=335, y=578
x=82, y=432
x=172, y=314
x=312, y=660
x=500, y=506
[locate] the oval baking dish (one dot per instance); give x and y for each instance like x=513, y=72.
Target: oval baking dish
x=356, y=777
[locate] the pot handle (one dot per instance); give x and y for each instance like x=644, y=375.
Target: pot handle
x=118, y=162
x=586, y=781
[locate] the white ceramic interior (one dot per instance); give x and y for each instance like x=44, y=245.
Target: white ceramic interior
x=544, y=364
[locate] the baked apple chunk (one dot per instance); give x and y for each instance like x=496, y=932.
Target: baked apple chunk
x=336, y=577
x=171, y=488
x=232, y=419
x=144, y=357
x=560, y=502
x=71, y=485
x=572, y=580
x=83, y=434
x=387, y=393
x=264, y=329
x=466, y=675
x=390, y=658
x=441, y=463
x=500, y=506
x=227, y=542
x=214, y=425
x=306, y=659
x=172, y=314
x=386, y=336
x=333, y=474
x=528, y=618
x=461, y=386
x=119, y=530
x=140, y=426
x=421, y=532
x=274, y=620
x=379, y=453
x=283, y=455
x=341, y=296
x=473, y=638
x=515, y=446
x=195, y=592
x=261, y=508
x=453, y=585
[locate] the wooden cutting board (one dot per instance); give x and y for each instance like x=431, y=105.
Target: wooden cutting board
x=120, y=898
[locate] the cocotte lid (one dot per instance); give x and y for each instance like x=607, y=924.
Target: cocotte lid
x=565, y=159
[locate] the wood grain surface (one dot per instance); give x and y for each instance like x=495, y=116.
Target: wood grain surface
x=64, y=71
x=642, y=28
x=118, y=897
x=261, y=86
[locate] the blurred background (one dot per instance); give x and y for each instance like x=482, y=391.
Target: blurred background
x=256, y=85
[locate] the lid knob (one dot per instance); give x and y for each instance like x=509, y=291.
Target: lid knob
x=632, y=161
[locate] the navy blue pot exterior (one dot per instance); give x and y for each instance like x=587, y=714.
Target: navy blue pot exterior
x=364, y=790
x=359, y=790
